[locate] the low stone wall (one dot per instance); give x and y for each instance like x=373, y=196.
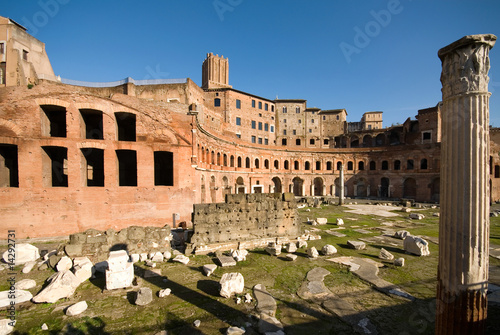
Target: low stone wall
x=96, y=244
x=244, y=220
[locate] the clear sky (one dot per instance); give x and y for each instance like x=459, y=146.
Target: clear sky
x=358, y=55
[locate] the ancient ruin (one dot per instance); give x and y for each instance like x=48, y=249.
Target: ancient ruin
x=464, y=222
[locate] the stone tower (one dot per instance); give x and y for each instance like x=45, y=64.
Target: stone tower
x=215, y=72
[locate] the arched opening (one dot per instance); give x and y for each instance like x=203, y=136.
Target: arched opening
x=257, y=163
x=318, y=165
x=277, y=185
x=373, y=165
x=384, y=187
x=361, y=189
x=307, y=166
x=226, y=189
x=239, y=162
x=212, y=155
x=224, y=160
x=339, y=166
x=213, y=189
x=354, y=142
x=394, y=138
x=329, y=166
x=286, y=165
x=297, y=186
x=350, y=166
x=296, y=165
x=276, y=164
x=318, y=186
x=202, y=155
x=247, y=163
x=218, y=158
x=385, y=165
x=203, y=190
x=380, y=140
x=361, y=165
x=231, y=161
x=367, y=141
x=297, y=141
x=337, y=187
x=240, y=185
x=266, y=164
x=409, y=188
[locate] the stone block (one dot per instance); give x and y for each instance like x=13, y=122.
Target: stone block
x=357, y=245
x=73, y=250
x=208, y=269
x=83, y=268
x=24, y=253
x=328, y=250
x=231, y=283
x=136, y=233
x=120, y=278
x=226, y=260
x=289, y=197
x=62, y=285
x=312, y=252
x=416, y=245
x=78, y=238
x=64, y=264
x=77, y=308
x=144, y=296
x=21, y=296
x=118, y=260
x=97, y=239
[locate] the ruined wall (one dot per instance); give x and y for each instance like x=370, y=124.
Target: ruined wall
x=244, y=218
x=96, y=244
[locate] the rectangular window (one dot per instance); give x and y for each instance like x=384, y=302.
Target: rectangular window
x=25, y=55
x=260, y=140
x=260, y=125
x=272, y=108
x=253, y=103
x=266, y=107
x=300, y=121
x=294, y=132
x=338, y=117
x=238, y=135
x=284, y=120
x=310, y=130
x=254, y=124
x=2, y=48
x=127, y=167
x=297, y=110
x=284, y=131
x=260, y=104
x=266, y=127
x=53, y=121
x=324, y=117
x=253, y=139
x=55, y=166
x=266, y=141
x=325, y=141
x=410, y=165
x=91, y=124
x=164, y=168
x=312, y=120
x=426, y=136
x=272, y=129
x=238, y=103
x=93, y=166
x=9, y=170
x=125, y=123
x=238, y=121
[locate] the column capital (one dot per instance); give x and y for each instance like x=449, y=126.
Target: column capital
x=466, y=64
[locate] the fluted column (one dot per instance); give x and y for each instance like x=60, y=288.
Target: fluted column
x=464, y=219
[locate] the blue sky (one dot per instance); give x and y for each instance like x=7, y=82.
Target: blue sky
x=358, y=55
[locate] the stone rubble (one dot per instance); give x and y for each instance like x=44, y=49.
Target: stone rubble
x=156, y=256
x=144, y=296
x=385, y=255
x=239, y=255
x=416, y=245
x=21, y=296
x=83, y=268
x=312, y=252
x=357, y=245
x=291, y=247
x=399, y=262
x=339, y=222
x=164, y=293
x=226, y=260
x=24, y=253
x=401, y=234
x=231, y=283
x=28, y=266
x=291, y=257
x=6, y=328
x=25, y=284
x=61, y=285
x=77, y=308
x=208, y=269
x=181, y=259
x=273, y=249
x=328, y=250
x=417, y=216
x=64, y=264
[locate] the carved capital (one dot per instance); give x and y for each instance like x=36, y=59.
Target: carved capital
x=466, y=64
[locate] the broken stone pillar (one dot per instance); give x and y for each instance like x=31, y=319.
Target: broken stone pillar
x=120, y=272
x=464, y=220
x=341, y=195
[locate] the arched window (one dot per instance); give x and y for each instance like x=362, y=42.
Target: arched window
x=296, y=165
x=318, y=165
x=257, y=163
x=283, y=141
x=385, y=165
x=423, y=164
x=218, y=158
x=361, y=166
x=297, y=141
x=231, y=161
x=397, y=164
x=286, y=165
x=213, y=157
x=239, y=162
x=350, y=166
x=276, y=164
x=247, y=163
x=373, y=165
x=266, y=164
x=224, y=160
x=339, y=166
x=307, y=166
x=329, y=166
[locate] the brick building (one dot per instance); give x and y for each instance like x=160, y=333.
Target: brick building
x=78, y=155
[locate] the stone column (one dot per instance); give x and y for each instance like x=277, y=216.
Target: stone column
x=341, y=195
x=464, y=219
